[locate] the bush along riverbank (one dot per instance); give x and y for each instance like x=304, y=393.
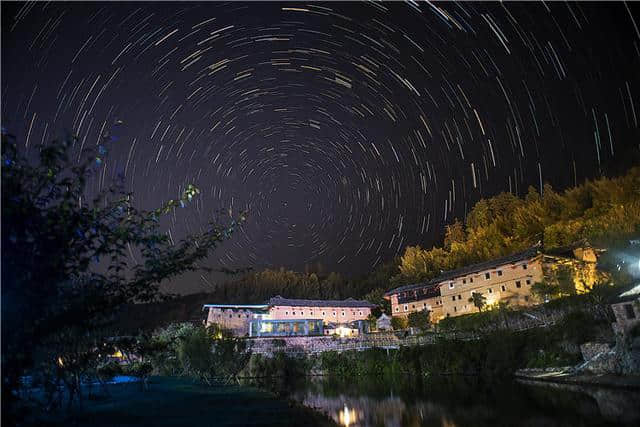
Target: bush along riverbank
x=495, y=353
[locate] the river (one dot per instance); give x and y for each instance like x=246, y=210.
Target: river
x=465, y=401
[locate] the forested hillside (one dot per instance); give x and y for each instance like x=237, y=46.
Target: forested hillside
x=603, y=212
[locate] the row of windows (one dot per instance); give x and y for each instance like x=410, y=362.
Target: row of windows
x=324, y=313
x=487, y=276
x=455, y=308
x=413, y=306
x=240, y=316
x=503, y=288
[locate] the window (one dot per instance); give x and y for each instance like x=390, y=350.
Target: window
x=324, y=313
x=487, y=276
x=450, y=285
x=311, y=313
x=453, y=298
x=359, y=313
x=425, y=305
x=628, y=310
x=459, y=296
x=499, y=272
x=524, y=266
x=343, y=314
x=286, y=313
x=528, y=281
x=294, y=313
x=334, y=313
x=397, y=309
x=526, y=297
x=455, y=308
x=239, y=316
x=406, y=307
x=230, y=316
x=518, y=284
x=464, y=281
x=490, y=291
x=503, y=287
x=470, y=279
x=413, y=306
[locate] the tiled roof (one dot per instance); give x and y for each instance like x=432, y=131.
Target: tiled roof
x=470, y=269
x=349, y=302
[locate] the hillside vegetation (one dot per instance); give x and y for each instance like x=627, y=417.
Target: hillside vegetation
x=604, y=212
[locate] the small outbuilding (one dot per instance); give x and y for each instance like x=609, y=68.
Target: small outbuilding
x=627, y=310
x=383, y=323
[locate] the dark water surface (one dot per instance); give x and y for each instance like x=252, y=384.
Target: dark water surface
x=466, y=401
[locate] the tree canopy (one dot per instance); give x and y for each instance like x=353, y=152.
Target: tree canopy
x=603, y=211
x=72, y=256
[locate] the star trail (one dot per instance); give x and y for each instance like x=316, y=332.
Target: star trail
x=346, y=131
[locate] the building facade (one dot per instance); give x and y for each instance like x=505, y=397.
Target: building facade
x=504, y=279
x=329, y=311
x=235, y=318
x=285, y=317
x=416, y=297
x=508, y=279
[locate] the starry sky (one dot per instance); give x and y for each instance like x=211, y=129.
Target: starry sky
x=347, y=131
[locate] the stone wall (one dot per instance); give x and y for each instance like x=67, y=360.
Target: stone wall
x=310, y=345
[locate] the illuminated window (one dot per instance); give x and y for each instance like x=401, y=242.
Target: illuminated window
x=518, y=284
x=487, y=276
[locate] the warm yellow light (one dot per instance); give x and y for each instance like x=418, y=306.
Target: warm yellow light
x=117, y=354
x=60, y=363
x=347, y=417
x=343, y=332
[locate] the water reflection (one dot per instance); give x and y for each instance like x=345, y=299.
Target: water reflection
x=466, y=402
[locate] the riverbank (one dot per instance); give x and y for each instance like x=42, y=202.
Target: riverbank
x=567, y=376
x=171, y=401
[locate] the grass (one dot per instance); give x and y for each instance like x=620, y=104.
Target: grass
x=180, y=402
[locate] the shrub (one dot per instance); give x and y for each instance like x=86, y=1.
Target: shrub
x=399, y=322
x=419, y=319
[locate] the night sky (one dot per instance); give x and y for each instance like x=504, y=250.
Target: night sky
x=346, y=130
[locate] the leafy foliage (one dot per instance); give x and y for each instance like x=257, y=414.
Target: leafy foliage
x=72, y=256
x=419, y=319
x=603, y=211
x=399, y=322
